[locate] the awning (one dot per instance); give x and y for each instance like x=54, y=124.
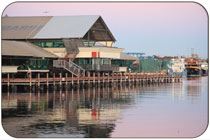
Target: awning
x=21, y=48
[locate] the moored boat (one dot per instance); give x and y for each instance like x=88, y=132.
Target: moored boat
x=204, y=68
x=193, y=68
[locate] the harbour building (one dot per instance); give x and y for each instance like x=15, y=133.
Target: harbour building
x=60, y=43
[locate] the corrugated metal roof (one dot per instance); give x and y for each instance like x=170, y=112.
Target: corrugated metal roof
x=51, y=27
x=20, y=48
x=124, y=56
x=22, y=27
x=67, y=27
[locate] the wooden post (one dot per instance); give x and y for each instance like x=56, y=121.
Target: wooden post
x=60, y=79
x=47, y=76
x=146, y=76
x=99, y=78
x=8, y=80
x=117, y=79
x=129, y=76
x=30, y=80
x=38, y=80
x=149, y=77
x=156, y=79
x=108, y=77
x=120, y=77
x=88, y=78
x=94, y=78
x=72, y=79
x=133, y=77
x=53, y=79
x=136, y=77
x=78, y=80
x=83, y=80
x=103, y=77
x=112, y=77
x=124, y=77
x=66, y=79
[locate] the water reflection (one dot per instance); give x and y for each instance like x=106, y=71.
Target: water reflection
x=93, y=112
x=193, y=89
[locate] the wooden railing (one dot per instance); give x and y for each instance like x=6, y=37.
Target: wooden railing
x=97, y=67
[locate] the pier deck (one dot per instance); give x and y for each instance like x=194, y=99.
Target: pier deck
x=70, y=79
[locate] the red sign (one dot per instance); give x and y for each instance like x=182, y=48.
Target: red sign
x=94, y=54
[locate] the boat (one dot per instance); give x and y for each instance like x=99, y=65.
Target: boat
x=193, y=68
x=177, y=65
x=204, y=68
x=193, y=65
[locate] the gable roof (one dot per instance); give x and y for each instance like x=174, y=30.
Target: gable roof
x=20, y=48
x=67, y=27
x=57, y=27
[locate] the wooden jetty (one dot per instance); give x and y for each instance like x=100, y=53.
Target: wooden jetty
x=92, y=79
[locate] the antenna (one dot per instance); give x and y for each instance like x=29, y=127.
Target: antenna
x=192, y=52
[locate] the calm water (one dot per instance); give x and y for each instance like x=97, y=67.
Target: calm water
x=161, y=110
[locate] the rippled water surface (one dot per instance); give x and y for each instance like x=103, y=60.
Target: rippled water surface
x=159, y=110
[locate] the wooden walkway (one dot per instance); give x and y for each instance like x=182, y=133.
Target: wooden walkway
x=96, y=78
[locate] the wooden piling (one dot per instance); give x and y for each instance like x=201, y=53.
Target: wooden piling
x=88, y=78
x=78, y=80
x=94, y=77
x=8, y=80
x=66, y=79
x=117, y=79
x=47, y=76
x=112, y=77
x=30, y=80
x=99, y=78
x=54, y=79
x=103, y=78
x=72, y=79
x=108, y=77
x=120, y=77
x=83, y=81
x=136, y=77
x=38, y=80
x=133, y=78
x=60, y=79
x=129, y=77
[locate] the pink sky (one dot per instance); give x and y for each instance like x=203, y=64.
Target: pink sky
x=152, y=28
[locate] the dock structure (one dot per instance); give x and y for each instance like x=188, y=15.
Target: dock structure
x=81, y=53
x=91, y=79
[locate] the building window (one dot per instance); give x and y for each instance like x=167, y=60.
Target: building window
x=90, y=44
x=97, y=61
x=84, y=61
x=50, y=44
x=106, y=61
